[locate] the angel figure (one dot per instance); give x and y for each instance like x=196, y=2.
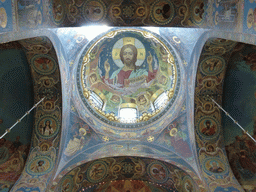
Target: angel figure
x=76, y=144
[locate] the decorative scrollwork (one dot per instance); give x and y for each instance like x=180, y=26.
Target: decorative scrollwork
x=86, y=93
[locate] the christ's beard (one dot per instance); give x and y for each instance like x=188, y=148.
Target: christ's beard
x=130, y=64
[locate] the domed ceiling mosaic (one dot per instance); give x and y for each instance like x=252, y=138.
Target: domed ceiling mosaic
x=128, y=78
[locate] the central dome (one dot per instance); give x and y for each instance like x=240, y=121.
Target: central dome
x=128, y=76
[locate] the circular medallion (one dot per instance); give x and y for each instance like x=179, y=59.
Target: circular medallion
x=67, y=184
x=94, y=10
x=132, y=69
x=43, y=64
x=47, y=126
x=40, y=165
x=212, y=65
x=208, y=127
x=162, y=12
x=214, y=165
x=97, y=171
x=158, y=172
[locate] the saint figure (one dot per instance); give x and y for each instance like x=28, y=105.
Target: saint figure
x=39, y=168
x=47, y=129
x=215, y=168
x=208, y=130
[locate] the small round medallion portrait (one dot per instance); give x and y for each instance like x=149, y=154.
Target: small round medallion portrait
x=97, y=171
x=214, y=165
x=44, y=64
x=40, y=165
x=208, y=126
x=94, y=10
x=162, y=12
x=212, y=65
x=158, y=172
x=47, y=126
